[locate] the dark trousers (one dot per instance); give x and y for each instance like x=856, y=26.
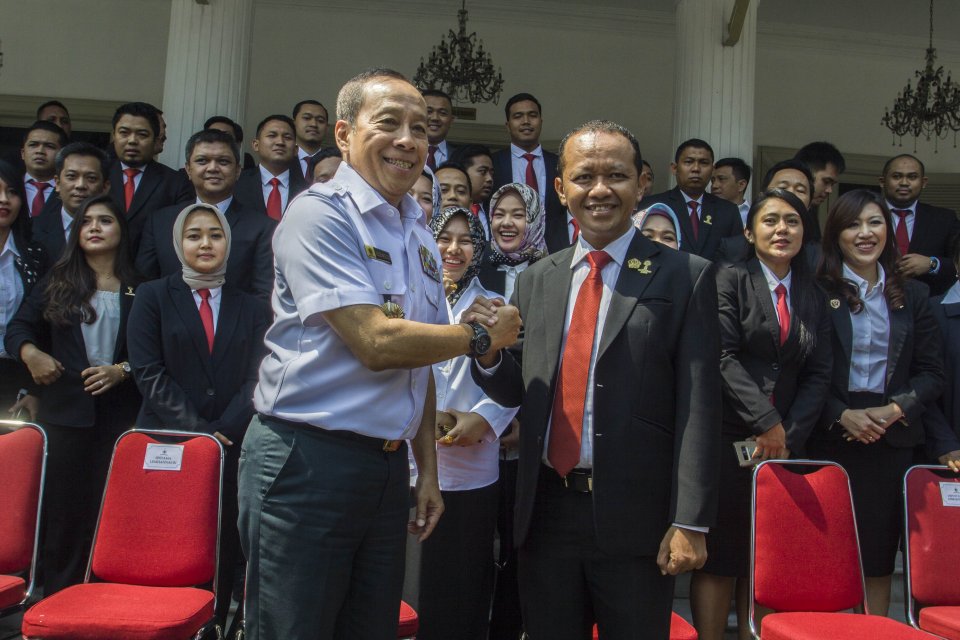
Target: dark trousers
x=456, y=570
x=505, y=620
x=229, y=533
x=322, y=524
x=13, y=377
x=567, y=582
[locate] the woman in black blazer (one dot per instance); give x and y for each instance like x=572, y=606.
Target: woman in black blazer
x=775, y=363
x=22, y=264
x=194, y=380
x=70, y=332
x=887, y=366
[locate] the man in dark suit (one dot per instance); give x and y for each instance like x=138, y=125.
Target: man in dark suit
x=310, y=121
x=213, y=163
x=139, y=184
x=439, y=120
x=39, y=154
x=526, y=161
x=81, y=171
x=704, y=218
x=56, y=112
x=271, y=186
x=923, y=232
x=826, y=163
x=621, y=408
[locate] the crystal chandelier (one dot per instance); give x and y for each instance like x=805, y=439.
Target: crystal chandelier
x=932, y=108
x=460, y=67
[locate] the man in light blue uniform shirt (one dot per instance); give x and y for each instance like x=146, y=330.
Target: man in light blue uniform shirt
x=360, y=316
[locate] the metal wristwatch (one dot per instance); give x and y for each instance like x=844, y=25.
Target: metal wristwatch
x=480, y=342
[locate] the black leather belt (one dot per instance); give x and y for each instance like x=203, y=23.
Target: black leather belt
x=579, y=480
x=388, y=446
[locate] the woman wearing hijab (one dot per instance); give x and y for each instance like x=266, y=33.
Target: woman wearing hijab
x=196, y=342
x=70, y=332
x=659, y=223
x=456, y=573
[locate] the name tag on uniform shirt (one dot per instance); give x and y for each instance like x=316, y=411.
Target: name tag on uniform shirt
x=950, y=494
x=377, y=254
x=429, y=264
x=163, y=457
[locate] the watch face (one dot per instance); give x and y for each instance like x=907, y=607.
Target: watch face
x=483, y=344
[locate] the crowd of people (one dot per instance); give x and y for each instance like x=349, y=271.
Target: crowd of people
x=543, y=364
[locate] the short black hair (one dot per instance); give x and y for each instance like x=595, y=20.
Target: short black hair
x=237, y=129
x=46, y=125
x=886, y=165
x=692, y=143
x=465, y=154
x=741, y=170
x=140, y=110
x=790, y=163
x=646, y=164
x=436, y=93
x=51, y=103
x=817, y=155
x=521, y=97
x=300, y=105
x=604, y=126
x=320, y=156
x=456, y=166
x=212, y=136
x=276, y=116
x=83, y=149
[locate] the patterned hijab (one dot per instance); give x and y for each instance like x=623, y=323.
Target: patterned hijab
x=195, y=279
x=532, y=246
x=439, y=222
x=657, y=209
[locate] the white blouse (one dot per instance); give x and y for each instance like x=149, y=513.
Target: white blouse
x=100, y=336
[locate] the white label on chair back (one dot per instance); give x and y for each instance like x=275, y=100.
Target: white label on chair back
x=163, y=457
x=950, y=493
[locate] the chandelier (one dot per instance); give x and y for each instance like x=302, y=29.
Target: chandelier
x=460, y=67
x=932, y=108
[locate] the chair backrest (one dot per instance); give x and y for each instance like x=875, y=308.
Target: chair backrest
x=932, y=526
x=23, y=454
x=805, y=554
x=160, y=527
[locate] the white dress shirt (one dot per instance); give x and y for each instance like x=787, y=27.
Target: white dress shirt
x=909, y=219
x=687, y=200
x=773, y=282
x=871, y=335
x=136, y=179
x=304, y=159
x=100, y=336
x=222, y=206
x=744, y=210
x=284, y=186
x=214, y=301
x=953, y=294
x=510, y=277
x=30, y=190
x=442, y=154
x=11, y=288
x=67, y=221
x=539, y=168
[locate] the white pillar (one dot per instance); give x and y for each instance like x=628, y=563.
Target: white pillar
x=714, y=90
x=208, y=57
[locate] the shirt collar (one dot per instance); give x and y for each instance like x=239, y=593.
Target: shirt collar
x=301, y=154
x=687, y=199
x=266, y=177
x=617, y=249
x=953, y=294
x=214, y=292
x=366, y=198
x=772, y=280
x=862, y=285
x=912, y=208
x=519, y=153
x=10, y=246
x=222, y=205
x=65, y=218
x=124, y=166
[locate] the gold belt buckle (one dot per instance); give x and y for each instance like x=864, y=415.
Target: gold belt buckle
x=390, y=446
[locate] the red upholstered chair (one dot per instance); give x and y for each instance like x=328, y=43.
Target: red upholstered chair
x=805, y=560
x=152, y=569
x=409, y=622
x=932, y=553
x=23, y=457
x=680, y=629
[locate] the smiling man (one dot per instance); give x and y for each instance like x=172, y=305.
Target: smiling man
x=360, y=315
x=704, y=218
x=439, y=120
x=620, y=394
x=311, y=122
x=212, y=164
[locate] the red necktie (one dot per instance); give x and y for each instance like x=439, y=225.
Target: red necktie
x=531, y=177
x=274, y=209
x=432, y=158
x=566, y=425
x=475, y=209
x=783, y=312
x=206, y=316
x=130, y=186
x=694, y=218
x=38, y=199
x=903, y=238
x=576, y=230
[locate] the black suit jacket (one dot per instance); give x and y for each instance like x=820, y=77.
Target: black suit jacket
x=65, y=402
x=657, y=398
x=160, y=186
x=184, y=386
x=249, y=189
x=755, y=367
x=719, y=219
x=555, y=231
x=914, y=367
x=942, y=420
x=47, y=229
x=934, y=229
x=491, y=277
x=250, y=265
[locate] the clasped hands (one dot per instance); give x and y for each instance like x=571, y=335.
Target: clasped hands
x=869, y=425
x=501, y=320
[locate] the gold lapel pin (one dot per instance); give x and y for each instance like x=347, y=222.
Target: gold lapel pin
x=835, y=303
x=130, y=291
x=707, y=219
x=633, y=263
x=641, y=267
